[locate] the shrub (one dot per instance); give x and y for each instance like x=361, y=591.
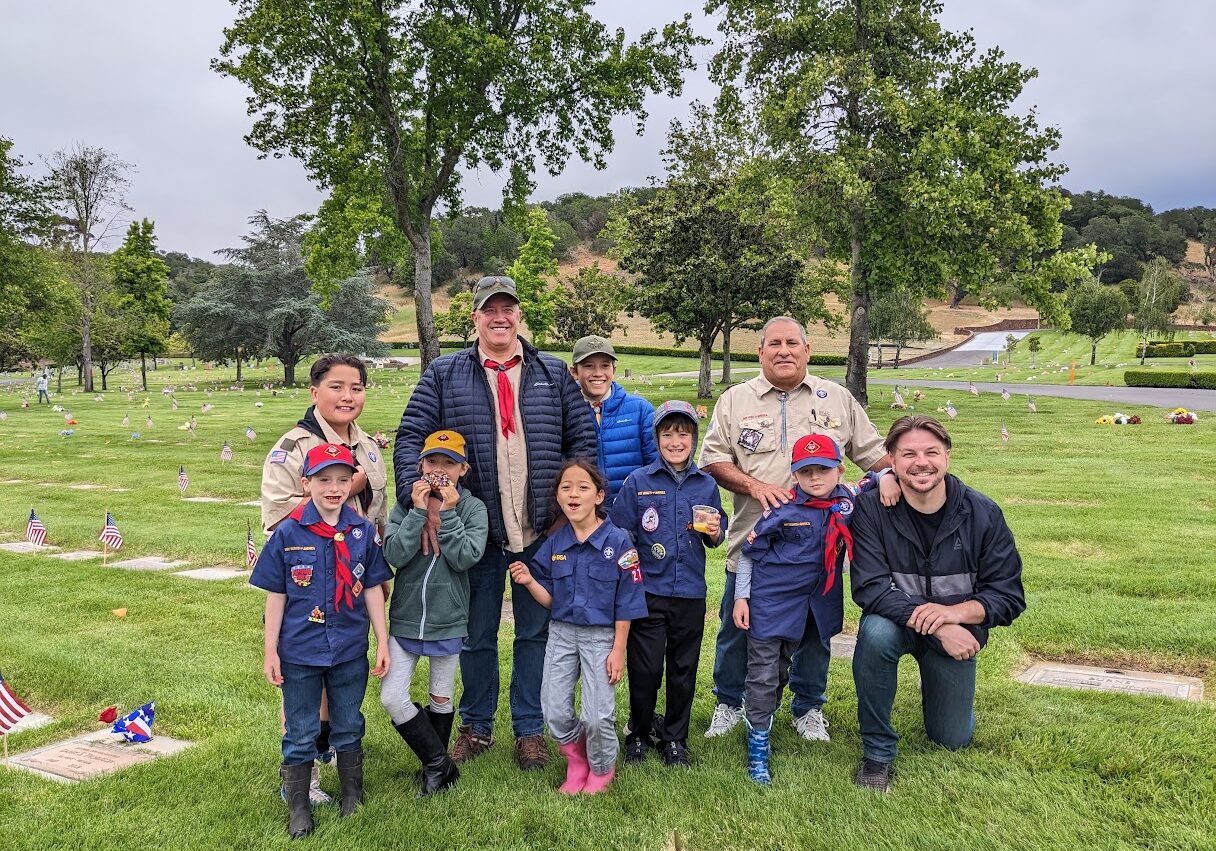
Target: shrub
x=1177, y=378
x=1168, y=350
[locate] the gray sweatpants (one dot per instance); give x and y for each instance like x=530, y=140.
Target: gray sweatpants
x=395, y=690
x=768, y=672
x=573, y=651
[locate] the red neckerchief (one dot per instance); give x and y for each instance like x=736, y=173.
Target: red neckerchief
x=838, y=531
x=346, y=579
x=506, y=396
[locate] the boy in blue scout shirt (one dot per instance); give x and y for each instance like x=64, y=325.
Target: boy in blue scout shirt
x=789, y=583
x=655, y=505
x=324, y=569
x=588, y=575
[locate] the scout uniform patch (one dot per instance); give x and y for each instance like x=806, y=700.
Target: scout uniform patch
x=301, y=575
x=650, y=519
x=658, y=551
x=749, y=439
x=317, y=615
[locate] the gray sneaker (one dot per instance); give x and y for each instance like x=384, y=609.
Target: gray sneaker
x=725, y=719
x=872, y=774
x=813, y=726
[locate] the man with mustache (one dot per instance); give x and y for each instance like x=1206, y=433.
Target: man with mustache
x=932, y=574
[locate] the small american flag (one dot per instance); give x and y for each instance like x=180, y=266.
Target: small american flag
x=899, y=398
x=110, y=536
x=148, y=422
x=251, y=551
x=251, y=434
x=951, y=411
x=126, y=420
x=975, y=391
x=1033, y=407
x=12, y=709
x=174, y=401
x=35, y=532
x=207, y=408
x=226, y=452
x=1004, y=434
x=183, y=481
x=1005, y=394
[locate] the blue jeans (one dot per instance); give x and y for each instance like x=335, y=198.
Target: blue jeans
x=479, y=656
x=345, y=684
x=947, y=688
x=808, y=669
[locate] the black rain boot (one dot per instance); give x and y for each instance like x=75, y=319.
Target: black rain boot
x=438, y=770
x=350, y=780
x=296, y=779
x=442, y=722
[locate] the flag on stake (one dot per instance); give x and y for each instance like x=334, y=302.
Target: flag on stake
x=251, y=434
x=148, y=422
x=951, y=411
x=975, y=391
x=174, y=401
x=251, y=552
x=110, y=536
x=126, y=420
x=226, y=452
x=12, y=709
x=183, y=481
x=1005, y=394
x=1033, y=408
x=137, y=727
x=899, y=398
x=35, y=532
x=1004, y=434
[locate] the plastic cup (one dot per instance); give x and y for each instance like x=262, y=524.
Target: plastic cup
x=701, y=515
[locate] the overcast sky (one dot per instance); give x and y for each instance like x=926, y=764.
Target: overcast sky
x=1132, y=86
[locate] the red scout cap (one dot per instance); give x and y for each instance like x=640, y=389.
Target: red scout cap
x=326, y=455
x=817, y=449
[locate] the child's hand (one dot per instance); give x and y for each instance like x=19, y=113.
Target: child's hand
x=272, y=669
x=742, y=615
x=615, y=665
x=888, y=490
x=382, y=662
x=713, y=526
x=520, y=574
x=450, y=497
x=418, y=494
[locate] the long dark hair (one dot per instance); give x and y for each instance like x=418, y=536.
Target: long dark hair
x=597, y=479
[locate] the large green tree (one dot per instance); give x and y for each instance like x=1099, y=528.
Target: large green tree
x=1156, y=300
x=532, y=271
x=1096, y=310
x=900, y=318
x=913, y=168
x=141, y=283
x=394, y=98
x=593, y=305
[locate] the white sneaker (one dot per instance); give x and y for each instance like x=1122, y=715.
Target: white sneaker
x=813, y=726
x=725, y=719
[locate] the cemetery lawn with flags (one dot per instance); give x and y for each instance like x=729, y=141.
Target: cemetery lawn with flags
x=1114, y=524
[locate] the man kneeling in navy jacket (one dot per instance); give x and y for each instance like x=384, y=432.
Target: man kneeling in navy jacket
x=932, y=574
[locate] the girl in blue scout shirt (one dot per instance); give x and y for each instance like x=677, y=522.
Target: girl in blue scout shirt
x=588, y=575
x=655, y=505
x=324, y=568
x=429, y=613
x=788, y=587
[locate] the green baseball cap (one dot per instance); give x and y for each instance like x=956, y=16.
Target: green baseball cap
x=592, y=345
x=492, y=285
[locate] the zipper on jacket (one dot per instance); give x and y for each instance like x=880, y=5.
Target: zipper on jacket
x=426, y=578
x=784, y=397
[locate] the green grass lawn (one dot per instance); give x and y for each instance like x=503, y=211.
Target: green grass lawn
x=1053, y=364
x=1114, y=525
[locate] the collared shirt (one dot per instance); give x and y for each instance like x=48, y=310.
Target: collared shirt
x=755, y=425
x=301, y=564
x=596, y=582
x=512, y=453
x=284, y=467
x=655, y=507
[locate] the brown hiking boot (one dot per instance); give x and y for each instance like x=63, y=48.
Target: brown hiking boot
x=531, y=752
x=469, y=744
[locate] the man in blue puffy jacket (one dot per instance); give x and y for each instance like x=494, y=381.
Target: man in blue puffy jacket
x=522, y=415
x=624, y=422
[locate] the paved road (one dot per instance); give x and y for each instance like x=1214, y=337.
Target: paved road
x=1193, y=400
x=977, y=350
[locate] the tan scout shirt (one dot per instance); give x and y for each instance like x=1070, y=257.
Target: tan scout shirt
x=755, y=426
x=512, y=455
x=284, y=465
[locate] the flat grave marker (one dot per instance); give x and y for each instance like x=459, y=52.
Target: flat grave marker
x=31, y=722
x=1085, y=677
x=212, y=574
x=27, y=547
x=148, y=563
x=843, y=645
x=77, y=555
x=203, y=499
x=86, y=487
x=93, y=755
x=256, y=502
x=13, y=482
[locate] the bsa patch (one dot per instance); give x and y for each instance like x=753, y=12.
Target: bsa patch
x=379, y=541
x=609, y=552
x=650, y=519
x=359, y=570
x=371, y=456
x=357, y=588
x=659, y=551
x=629, y=560
x=821, y=393
x=846, y=507
x=301, y=575
x=332, y=451
x=317, y=616
x=356, y=533
x=278, y=456
x=749, y=439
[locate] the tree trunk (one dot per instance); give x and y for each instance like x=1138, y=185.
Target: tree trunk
x=59, y=379
x=726, y=327
x=899, y=347
x=239, y=355
x=878, y=345
x=703, y=377
x=86, y=349
x=143, y=370
x=428, y=339
x=104, y=374
x=289, y=372
x=1093, y=352
x=956, y=297
x=79, y=374
x=859, y=316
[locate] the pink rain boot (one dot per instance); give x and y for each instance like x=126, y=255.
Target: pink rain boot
x=577, y=767
x=599, y=782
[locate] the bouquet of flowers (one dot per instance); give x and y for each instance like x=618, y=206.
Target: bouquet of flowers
x=1118, y=419
x=1181, y=416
